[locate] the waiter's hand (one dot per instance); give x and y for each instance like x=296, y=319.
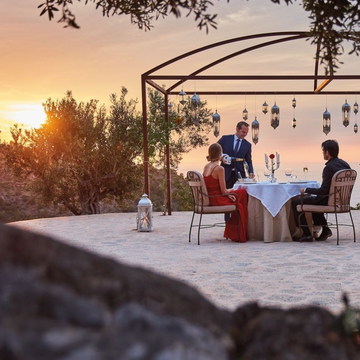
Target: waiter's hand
x=251, y=175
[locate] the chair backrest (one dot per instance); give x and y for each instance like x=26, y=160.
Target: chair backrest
x=341, y=187
x=198, y=188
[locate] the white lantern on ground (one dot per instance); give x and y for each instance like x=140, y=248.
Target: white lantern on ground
x=144, y=216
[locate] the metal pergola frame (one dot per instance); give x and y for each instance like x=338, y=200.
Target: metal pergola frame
x=151, y=79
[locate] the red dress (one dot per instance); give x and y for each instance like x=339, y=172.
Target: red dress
x=232, y=228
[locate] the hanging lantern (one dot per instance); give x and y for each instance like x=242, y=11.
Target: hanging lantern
x=182, y=93
x=255, y=127
x=294, y=123
x=356, y=108
x=170, y=108
x=275, y=116
x=144, y=216
x=346, y=114
x=195, y=101
x=326, y=122
x=293, y=103
x=245, y=114
x=216, y=123
x=356, y=128
x=265, y=107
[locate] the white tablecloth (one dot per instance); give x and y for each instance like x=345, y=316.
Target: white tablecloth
x=274, y=196
x=270, y=217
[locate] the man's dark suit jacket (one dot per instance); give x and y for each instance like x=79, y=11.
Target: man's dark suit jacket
x=227, y=143
x=331, y=167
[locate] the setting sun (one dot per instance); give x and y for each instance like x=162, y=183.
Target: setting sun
x=28, y=114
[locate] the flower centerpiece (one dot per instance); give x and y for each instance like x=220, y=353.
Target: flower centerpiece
x=274, y=165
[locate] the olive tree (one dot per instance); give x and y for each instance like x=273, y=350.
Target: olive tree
x=81, y=155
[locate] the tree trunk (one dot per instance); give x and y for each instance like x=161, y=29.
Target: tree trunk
x=89, y=195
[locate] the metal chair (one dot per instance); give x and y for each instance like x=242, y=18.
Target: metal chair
x=202, y=204
x=341, y=187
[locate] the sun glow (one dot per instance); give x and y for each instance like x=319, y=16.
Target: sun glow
x=28, y=114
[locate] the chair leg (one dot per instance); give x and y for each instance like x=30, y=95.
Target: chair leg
x=192, y=221
x=352, y=222
x=299, y=221
x=199, y=229
x=337, y=229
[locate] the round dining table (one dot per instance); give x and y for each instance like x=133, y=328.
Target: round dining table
x=270, y=218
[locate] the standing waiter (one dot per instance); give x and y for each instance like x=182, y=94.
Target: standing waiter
x=238, y=147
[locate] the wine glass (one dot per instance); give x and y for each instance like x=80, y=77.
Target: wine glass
x=305, y=170
x=267, y=173
x=293, y=176
x=288, y=173
x=239, y=179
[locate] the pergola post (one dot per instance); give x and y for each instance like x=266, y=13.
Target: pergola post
x=145, y=138
x=168, y=169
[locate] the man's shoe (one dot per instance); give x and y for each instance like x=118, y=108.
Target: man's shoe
x=304, y=239
x=326, y=233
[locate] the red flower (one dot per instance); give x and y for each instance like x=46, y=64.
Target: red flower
x=271, y=156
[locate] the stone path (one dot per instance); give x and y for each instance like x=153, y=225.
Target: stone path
x=229, y=274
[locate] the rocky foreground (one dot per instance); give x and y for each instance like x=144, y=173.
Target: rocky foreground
x=60, y=302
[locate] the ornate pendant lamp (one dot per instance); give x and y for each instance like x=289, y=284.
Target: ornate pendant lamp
x=195, y=101
x=346, y=113
x=216, y=123
x=356, y=110
x=255, y=127
x=265, y=107
x=293, y=104
x=275, y=116
x=356, y=107
x=170, y=108
x=326, y=122
x=182, y=94
x=245, y=114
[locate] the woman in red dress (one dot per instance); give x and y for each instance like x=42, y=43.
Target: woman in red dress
x=214, y=177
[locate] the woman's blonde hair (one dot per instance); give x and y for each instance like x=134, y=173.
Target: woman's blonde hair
x=215, y=151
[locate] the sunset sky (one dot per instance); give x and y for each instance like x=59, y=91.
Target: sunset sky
x=40, y=60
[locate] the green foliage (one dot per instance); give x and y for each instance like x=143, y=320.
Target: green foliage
x=332, y=21
x=182, y=133
x=81, y=155
x=142, y=12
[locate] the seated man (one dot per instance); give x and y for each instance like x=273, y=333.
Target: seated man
x=330, y=149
